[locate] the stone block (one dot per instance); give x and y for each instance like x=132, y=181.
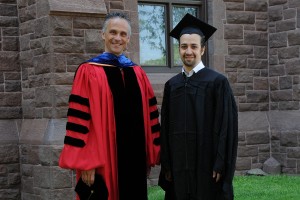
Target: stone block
x=61, y=25
x=289, y=105
x=11, y=112
x=275, y=13
x=13, y=86
x=272, y=166
x=285, y=82
x=293, y=38
x=68, y=45
x=256, y=38
x=243, y=164
x=240, y=17
x=9, y=61
x=256, y=5
x=9, y=154
x=289, y=139
x=10, y=194
x=42, y=64
x=87, y=23
x=260, y=52
x=42, y=177
x=261, y=26
x=293, y=67
x=286, y=25
x=257, y=63
x=257, y=96
x=235, y=6
x=281, y=95
x=33, y=131
x=289, y=14
x=277, y=2
x=42, y=27
x=10, y=99
x=257, y=137
x=278, y=40
x=44, y=96
x=9, y=132
x=240, y=49
x=276, y=70
x=233, y=31
x=247, y=151
x=260, y=83
x=61, y=94
x=293, y=152
x=8, y=10
x=10, y=31
x=93, y=41
x=8, y=21
x=294, y=3
x=61, y=178
x=289, y=52
x=118, y=5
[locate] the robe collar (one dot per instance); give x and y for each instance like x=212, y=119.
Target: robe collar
x=111, y=59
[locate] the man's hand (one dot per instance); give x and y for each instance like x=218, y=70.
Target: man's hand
x=88, y=176
x=216, y=176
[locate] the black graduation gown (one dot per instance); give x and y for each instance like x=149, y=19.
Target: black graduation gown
x=199, y=134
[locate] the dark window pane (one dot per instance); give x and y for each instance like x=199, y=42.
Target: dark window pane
x=178, y=14
x=152, y=27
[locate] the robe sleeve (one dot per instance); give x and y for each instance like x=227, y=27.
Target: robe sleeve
x=151, y=118
x=165, y=154
x=226, y=135
x=81, y=141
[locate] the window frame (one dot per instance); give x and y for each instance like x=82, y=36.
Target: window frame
x=170, y=68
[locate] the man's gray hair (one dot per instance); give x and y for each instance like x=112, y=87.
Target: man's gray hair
x=114, y=15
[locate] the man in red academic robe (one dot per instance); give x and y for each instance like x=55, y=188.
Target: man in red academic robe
x=113, y=126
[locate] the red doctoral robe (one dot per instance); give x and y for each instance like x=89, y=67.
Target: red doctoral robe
x=112, y=126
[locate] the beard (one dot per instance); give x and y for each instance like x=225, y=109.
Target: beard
x=189, y=62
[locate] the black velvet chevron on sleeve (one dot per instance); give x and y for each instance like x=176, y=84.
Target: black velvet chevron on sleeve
x=79, y=114
x=79, y=99
x=154, y=114
x=152, y=101
x=77, y=128
x=156, y=141
x=155, y=128
x=74, y=141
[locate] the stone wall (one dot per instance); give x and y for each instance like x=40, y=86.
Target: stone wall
x=43, y=41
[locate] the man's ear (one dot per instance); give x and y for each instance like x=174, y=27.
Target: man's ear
x=202, y=50
x=102, y=35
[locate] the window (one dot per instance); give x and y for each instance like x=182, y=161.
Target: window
x=158, y=51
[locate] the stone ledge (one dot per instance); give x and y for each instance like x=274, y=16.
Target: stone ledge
x=77, y=7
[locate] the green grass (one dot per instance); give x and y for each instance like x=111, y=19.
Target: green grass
x=255, y=188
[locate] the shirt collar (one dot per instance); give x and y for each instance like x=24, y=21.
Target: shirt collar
x=194, y=70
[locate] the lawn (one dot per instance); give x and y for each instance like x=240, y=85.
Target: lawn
x=255, y=188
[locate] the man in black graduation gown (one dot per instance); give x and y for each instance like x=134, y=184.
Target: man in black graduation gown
x=199, y=122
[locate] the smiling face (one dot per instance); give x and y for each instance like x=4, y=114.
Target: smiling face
x=116, y=36
x=190, y=50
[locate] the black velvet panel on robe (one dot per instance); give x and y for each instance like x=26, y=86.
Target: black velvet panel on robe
x=131, y=151
x=199, y=135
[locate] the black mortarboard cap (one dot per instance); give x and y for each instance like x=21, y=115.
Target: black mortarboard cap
x=192, y=25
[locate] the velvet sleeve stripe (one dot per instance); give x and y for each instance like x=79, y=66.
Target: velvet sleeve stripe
x=78, y=99
x=79, y=114
x=154, y=114
x=153, y=101
x=156, y=141
x=74, y=141
x=155, y=128
x=77, y=128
